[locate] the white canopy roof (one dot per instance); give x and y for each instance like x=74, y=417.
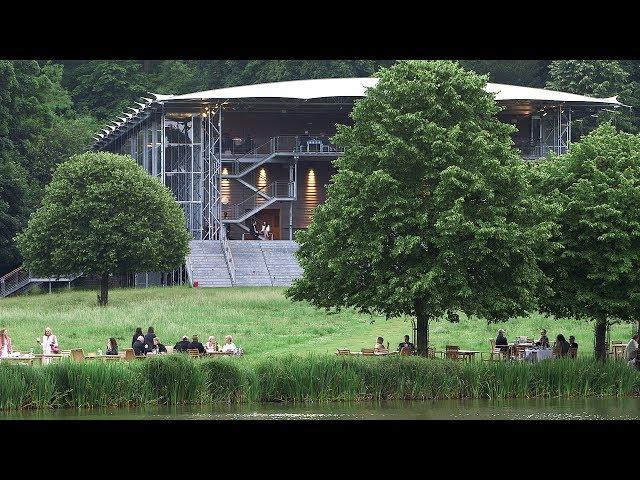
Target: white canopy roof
x=339, y=88
x=356, y=87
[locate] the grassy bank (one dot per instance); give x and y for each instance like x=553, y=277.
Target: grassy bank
x=261, y=320
x=178, y=379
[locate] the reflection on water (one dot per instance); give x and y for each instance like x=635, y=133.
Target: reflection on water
x=535, y=409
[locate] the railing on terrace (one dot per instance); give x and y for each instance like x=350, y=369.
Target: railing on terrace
x=278, y=190
x=291, y=144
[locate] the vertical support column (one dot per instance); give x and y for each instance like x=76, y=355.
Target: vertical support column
x=163, y=141
x=291, y=194
x=212, y=174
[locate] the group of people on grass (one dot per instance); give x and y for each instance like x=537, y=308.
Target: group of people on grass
x=561, y=346
x=149, y=343
x=48, y=342
x=380, y=347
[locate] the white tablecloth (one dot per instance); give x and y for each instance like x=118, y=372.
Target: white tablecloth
x=542, y=353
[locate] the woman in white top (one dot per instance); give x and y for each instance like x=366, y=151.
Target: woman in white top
x=229, y=346
x=49, y=344
x=5, y=343
x=211, y=346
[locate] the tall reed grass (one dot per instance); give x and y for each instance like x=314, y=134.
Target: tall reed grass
x=178, y=379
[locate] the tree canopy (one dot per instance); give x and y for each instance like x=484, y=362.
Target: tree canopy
x=102, y=214
x=430, y=210
x=596, y=273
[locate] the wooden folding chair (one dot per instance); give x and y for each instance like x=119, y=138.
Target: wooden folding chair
x=77, y=354
x=368, y=351
x=193, y=352
x=451, y=352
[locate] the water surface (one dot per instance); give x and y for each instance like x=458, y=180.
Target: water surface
x=535, y=409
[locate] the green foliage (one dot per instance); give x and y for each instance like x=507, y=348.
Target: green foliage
x=173, y=379
x=224, y=379
x=430, y=209
x=597, y=185
x=104, y=88
x=103, y=214
x=527, y=73
x=598, y=78
x=597, y=188
x=177, y=379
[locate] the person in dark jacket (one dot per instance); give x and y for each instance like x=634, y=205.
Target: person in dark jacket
x=501, y=341
x=158, y=347
x=136, y=335
x=148, y=339
x=182, y=345
x=407, y=344
x=138, y=346
x=561, y=346
x=543, y=341
x=196, y=344
x=112, y=347
x=572, y=342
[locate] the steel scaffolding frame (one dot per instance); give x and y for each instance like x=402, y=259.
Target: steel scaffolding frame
x=556, y=130
x=212, y=172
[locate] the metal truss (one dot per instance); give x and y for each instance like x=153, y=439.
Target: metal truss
x=212, y=172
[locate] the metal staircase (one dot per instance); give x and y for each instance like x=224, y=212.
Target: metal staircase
x=20, y=279
x=277, y=191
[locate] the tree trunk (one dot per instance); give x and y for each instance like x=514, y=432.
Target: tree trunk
x=422, y=327
x=104, y=290
x=600, y=346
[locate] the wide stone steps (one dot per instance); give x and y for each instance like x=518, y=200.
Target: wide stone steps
x=257, y=263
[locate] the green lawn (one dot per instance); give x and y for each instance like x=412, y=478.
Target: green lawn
x=261, y=320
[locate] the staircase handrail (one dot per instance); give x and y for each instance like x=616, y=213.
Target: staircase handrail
x=267, y=193
x=13, y=280
x=228, y=256
x=189, y=267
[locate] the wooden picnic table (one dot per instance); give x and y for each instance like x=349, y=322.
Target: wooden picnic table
x=26, y=358
x=218, y=353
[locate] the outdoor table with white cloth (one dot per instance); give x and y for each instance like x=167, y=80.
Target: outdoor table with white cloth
x=540, y=354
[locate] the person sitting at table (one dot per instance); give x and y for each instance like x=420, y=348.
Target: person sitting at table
x=632, y=349
x=136, y=335
x=138, y=347
x=112, y=347
x=543, y=341
x=572, y=342
x=501, y=341
x=229, y=346
x=5, y=344
x=148, y=339
x=211, y=345
x=379, y=344
x=158, y=348
x=196, y=345
x=561, y=346
x=407, y=344
x=182, y=345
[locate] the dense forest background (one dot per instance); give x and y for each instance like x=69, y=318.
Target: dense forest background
x=50, y=110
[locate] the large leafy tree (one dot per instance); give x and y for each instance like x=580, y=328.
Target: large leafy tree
x=32, y=105
x=430, y=210
x=596, y=274
x=104, y=88
x=528, y=73
x=597, y=78
x=102, y=214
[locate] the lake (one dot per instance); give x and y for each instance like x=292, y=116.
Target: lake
x=627, y=408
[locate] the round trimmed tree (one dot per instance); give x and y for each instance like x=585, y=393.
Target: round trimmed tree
x=102, y=214
x=596, y=273
x=430, y=210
